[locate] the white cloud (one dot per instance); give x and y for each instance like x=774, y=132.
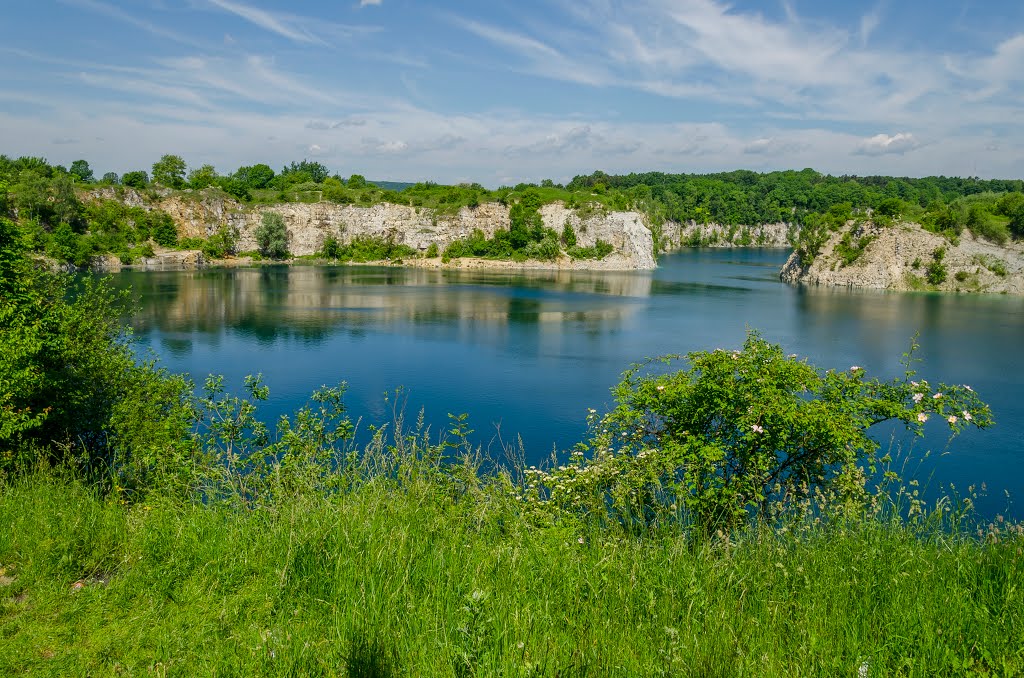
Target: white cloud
x=882, y=144
x=369, y=3
x=273, y=22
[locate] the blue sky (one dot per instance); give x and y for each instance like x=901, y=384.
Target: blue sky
x=500, y=92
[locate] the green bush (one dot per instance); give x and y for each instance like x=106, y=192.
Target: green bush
x=739, y=434
x=936, y=271
x=599, y=250
x=272, y=236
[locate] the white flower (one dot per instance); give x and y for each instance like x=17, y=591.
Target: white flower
x=757, y=429
x=922, y=417
x=967, y=416
x=855, y=368
x=951, y=419
x=918, y=397
x=936, y=396
x=969, y=388
x=661, y=387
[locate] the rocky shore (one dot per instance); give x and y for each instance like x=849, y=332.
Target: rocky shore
x=905, y=256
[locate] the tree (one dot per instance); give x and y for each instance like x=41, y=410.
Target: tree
x=111, y=178
x=272, y=236
x=138, y=179
x=255, y=177
x=203, y=177
x=80, y=169
x=169, y=171
x=162, y=228
x=739, y=434
x=568, y=234
x=357, y=181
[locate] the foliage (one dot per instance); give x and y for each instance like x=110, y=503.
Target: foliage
x=272, y=236
x=203, y=177
x=111, y=179
x=739, y=434
x=66, y=369
x=568, y=234
x=599, y=250
x=80, y=170
x=848, y=250
x=138, y=179
x=935, y=273
x=373, y=248
x=169, y=171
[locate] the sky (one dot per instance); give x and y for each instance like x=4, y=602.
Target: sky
x=500, y=92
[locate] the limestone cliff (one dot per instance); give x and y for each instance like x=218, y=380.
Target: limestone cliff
x=900, y=257
x=691, y=234
x=200, y=214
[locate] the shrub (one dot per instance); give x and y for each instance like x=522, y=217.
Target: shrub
x=272, y=236
x=936, y=271
x=738, y=434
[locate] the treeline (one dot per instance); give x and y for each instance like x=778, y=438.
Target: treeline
x=47, y=202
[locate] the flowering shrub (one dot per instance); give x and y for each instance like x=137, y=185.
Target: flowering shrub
x=736, y=432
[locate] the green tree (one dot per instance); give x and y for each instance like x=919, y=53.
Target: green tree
x=80, y=170
x=202, y=177
x=256, y=177
x=356, y=181
x=111, y=178
x=272, y=236
x=162, y=227
x=169, y=171
x=137, y=179
x=568, y=234
x=739, y=433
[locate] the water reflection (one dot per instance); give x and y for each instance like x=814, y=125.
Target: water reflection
x=311, y=303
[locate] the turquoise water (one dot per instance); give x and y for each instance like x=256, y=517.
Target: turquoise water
x=526, y=353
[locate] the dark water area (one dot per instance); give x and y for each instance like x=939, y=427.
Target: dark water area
x=526, y=353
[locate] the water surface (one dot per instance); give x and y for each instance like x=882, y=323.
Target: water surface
x=526, y=353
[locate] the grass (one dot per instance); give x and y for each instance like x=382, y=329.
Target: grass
x=418, y=577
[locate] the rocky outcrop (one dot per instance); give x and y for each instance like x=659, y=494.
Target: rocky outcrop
x=902, y=256
x=691, y=234
x=310, y=224
x=167, y=260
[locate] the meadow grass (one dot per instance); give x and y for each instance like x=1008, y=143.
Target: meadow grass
x=413, y=578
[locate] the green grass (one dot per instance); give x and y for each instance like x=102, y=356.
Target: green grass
x=413, y=578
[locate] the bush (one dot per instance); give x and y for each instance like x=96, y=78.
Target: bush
x=69, y=376
x=272, y=236
x=936, y=271
x=738, y=434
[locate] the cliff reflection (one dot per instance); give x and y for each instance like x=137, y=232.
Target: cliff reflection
x=308, y=304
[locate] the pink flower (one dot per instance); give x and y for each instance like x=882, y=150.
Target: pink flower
x=936, y=396
x=855, y=368
x=757, y=429
x=951, y=419
x=922, y=417
x=967, y=416
x=918, y=397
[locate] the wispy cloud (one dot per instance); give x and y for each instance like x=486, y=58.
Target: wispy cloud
x=281, y=24
x=121, y=15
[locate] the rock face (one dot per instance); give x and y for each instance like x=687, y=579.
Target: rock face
x=168, y=260
x=309, y=225
x=691, y=234
x=898, y=258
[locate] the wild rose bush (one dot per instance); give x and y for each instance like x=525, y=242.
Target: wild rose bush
x=736, y=433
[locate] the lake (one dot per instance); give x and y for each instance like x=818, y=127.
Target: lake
x=526, y=353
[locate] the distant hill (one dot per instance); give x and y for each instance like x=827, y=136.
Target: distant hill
x=392, y=185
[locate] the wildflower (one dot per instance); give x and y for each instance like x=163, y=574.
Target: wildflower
x=580, y=540
x=918, y=397
x=969, y=388
x=855, y=368
x=914, y=384
x=661, y=387
x=936, y=396
x=922, y=417
x=967, y=416
x=757, y=429
x=951, y=419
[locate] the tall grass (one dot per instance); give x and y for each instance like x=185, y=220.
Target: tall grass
x=423, y=572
